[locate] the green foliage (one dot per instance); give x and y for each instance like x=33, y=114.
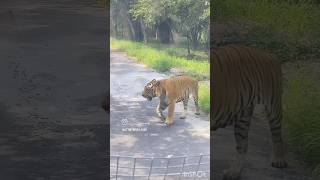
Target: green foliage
x=152, y=11
x=193, y=20
x=180, y=50
x=204, y=97
x=296, y=20
x=187, y=17
x=154, y=58
x=162, y=65
x=302, y=116
x=192, y=16
x=290, y=28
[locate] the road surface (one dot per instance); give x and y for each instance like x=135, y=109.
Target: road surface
x=259, y=154
x=130, y=110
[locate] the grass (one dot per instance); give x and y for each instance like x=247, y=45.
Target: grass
x=289, y=29
x=302, y=116
x=179, y=49
x=161, y=60
x=296, y=19
x=162, y=65
x=204, y=97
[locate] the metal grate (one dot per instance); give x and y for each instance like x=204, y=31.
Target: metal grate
x=156, y=168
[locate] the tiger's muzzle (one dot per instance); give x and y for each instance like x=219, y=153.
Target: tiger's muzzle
x=147, y=96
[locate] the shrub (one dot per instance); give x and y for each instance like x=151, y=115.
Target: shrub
x=302, y=116
x=162, y=65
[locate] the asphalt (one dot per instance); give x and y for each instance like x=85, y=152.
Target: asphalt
x=53, y=77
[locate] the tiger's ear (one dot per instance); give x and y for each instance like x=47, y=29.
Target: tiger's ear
x=153, y=81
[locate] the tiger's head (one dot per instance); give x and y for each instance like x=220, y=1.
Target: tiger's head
x=149, y=91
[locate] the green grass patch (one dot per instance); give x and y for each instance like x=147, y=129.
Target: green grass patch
x=204, y=97
x=162, y=65
x=299, y=19
x=288, y=28
x=160, y=60
x=302, y=116
x=179, y=49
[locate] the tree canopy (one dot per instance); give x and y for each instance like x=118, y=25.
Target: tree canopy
x=142, y=20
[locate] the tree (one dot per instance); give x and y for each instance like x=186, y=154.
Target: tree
x=193, y=21
x=156, y=14
x=159, y=18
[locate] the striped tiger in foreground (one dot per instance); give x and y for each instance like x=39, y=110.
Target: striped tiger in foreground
x=243, y=77
x=171, y=91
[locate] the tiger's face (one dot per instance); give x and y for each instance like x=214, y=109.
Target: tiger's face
x=149, y=91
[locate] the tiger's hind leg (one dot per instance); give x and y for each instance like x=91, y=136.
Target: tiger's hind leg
x=171, y=107
x=195, y=98
x=278, y=160
x=241, y=131
x=185, y=108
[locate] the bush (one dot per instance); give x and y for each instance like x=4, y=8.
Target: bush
x=162, y=65
x=302, y=116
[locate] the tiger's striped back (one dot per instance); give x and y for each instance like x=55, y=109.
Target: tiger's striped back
x=243, y=76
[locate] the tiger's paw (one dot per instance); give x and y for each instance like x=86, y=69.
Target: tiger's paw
x=167, y=125
x=168, y=122
x=279, y=163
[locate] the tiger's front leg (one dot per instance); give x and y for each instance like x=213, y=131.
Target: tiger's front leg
x=171, y=107
x=160, y=108
x=241, y=130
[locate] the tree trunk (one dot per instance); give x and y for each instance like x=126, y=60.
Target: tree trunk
x=116, y=26
x=188, y=42
x=143, y=29
x=164, y=30
x=195, y=39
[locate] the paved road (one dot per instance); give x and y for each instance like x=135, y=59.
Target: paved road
x=184, y=138
x=53, y=75
x=259, y=154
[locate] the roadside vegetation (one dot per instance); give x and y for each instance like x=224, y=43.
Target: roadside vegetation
x=290, y=29
x=204, y=97
x=161, y=60
x=302, y=116
x=165, y=35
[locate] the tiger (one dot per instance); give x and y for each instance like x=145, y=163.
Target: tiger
x=241, y=78
x=171, y=91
